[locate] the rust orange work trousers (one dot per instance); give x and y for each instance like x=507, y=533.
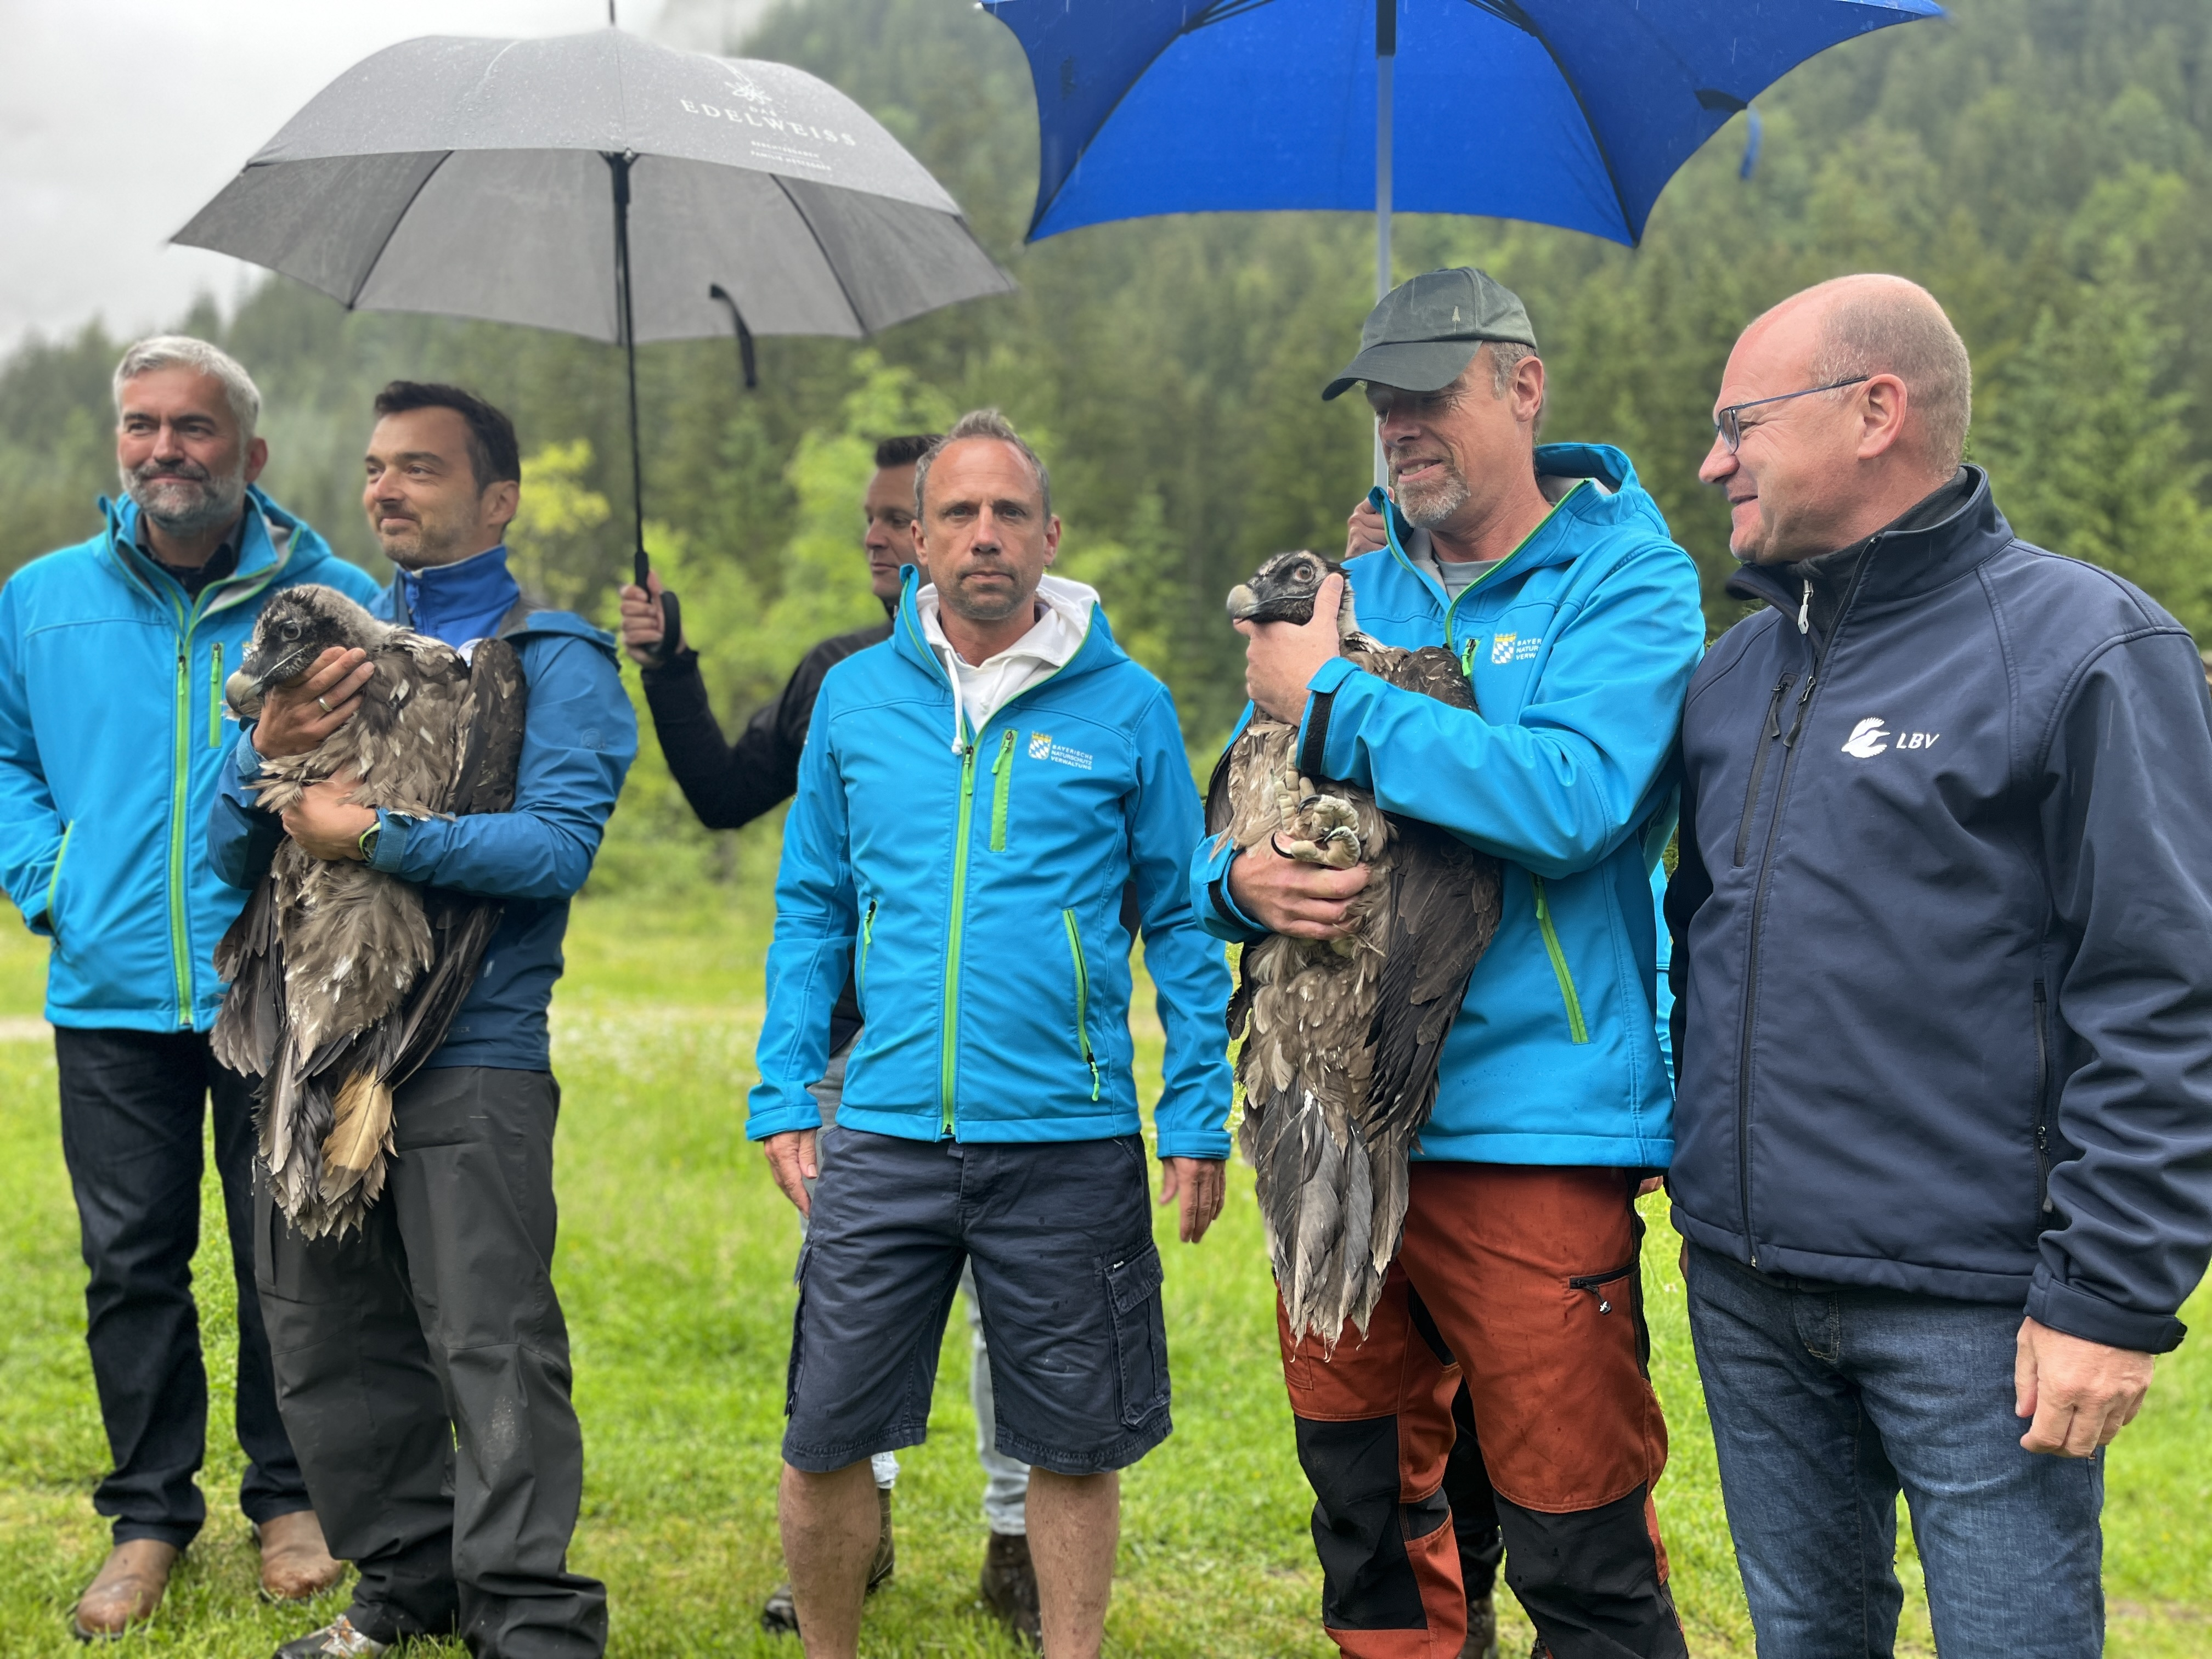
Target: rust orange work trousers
x=1525, y=1282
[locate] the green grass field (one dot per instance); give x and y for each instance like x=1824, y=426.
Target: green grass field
x=675, y=1266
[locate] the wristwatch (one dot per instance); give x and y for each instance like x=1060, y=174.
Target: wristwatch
x=368, y=841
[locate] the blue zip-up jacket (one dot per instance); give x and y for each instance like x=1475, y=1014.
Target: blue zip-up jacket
x=579, y=738
x=983, y=898
x=1580, y=646
x=113, y=739
x=1943, y=937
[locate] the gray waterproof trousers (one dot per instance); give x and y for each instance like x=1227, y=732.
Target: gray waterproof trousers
x=422, y=1372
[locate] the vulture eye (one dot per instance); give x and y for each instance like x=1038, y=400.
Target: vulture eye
x=290, y=630
x=1305, y=572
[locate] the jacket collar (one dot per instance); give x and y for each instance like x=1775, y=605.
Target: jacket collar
x=1553, y=542
x=1098, y=649
x=267, y=542
x=1899, y=565
x=469, y=599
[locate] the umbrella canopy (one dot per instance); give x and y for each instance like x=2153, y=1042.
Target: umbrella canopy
x=603, y=185
x=1571, y=112
x=479, y=177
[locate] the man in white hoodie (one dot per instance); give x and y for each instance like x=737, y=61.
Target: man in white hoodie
x=990, y=1114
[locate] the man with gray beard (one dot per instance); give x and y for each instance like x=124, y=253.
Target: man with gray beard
x=1512, y=1314
x=114, y=736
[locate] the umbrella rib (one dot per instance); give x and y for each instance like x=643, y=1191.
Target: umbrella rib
x=851, y=305
x=393, y=230
x=1507, y=11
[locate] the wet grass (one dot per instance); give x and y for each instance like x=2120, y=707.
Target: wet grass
x=675, y=1266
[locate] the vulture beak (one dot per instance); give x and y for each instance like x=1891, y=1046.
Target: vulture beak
x=1243, y=602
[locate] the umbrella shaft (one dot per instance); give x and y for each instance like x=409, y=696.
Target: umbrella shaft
x=1386, y=60
x=620, y=166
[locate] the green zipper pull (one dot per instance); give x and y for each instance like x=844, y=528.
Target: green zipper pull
x=214, y=700
x=1002, y=774
x=1467, y=659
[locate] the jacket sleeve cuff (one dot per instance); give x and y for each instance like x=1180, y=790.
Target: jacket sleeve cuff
x=773, y=1115
x=393, y=830
x=1321, y=705
x=249, y=757
x=2077, y=1313
x=1216, y=911
x=1211, y=1144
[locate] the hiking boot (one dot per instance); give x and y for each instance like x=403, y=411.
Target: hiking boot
x=1010, y=1587
x=336, y=1640
x=126, y=1591
x=1481, y=1631
x=296, y=1563
x=779, y=1614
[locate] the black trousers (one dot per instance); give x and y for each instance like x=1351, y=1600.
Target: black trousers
x=131, y=1104
x=423, y=1367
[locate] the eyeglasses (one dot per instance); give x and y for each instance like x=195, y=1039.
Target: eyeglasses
x=1729, y=423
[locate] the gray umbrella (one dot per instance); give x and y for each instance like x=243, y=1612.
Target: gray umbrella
x=604, y=186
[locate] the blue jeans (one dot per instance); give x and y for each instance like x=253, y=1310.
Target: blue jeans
x=1828, y=1400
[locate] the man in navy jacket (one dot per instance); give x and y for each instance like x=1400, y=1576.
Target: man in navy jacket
x=422, y=1364
x=1944, y=1130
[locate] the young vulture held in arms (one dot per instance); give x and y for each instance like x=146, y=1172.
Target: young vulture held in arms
x=1339, y=1066
x=343, y=979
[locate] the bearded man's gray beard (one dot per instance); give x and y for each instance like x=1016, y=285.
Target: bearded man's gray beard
x=188, y=499
x=1426, y=506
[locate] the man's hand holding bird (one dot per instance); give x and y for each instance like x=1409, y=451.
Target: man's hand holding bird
x=296, y=717
x=325, y=823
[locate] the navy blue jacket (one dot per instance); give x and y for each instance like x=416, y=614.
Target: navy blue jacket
x=579, y=738
x=1943, y=936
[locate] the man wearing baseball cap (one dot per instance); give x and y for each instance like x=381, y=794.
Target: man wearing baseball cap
x=1550, y=574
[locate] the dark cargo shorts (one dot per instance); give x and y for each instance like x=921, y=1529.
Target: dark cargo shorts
x=1067, y=1280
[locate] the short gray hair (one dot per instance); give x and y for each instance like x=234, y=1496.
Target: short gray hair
x=1505, y=357
x=1896, y=328
x=182, y=351
x=982, y=423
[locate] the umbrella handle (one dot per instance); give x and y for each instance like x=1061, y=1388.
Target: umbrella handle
x=662, y=651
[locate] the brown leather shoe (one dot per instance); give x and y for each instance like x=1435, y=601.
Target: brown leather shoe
x=295, y=1563
x=126, y=1591
x=1010, y=1587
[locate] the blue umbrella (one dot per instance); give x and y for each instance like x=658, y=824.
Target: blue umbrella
x=1571, y=112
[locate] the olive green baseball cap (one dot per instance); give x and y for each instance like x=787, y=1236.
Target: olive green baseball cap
x=1423, y=333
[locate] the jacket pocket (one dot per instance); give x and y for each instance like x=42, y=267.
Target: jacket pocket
x=1577, y=1028
x=2042, y=1099
x=54, y=882
x=1141, y=1336
x=1770, y=734
x=1002, y=785
x=1082, y=996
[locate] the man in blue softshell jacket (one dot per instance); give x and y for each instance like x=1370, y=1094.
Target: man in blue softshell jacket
x=423, y=1361
x=1943, y=940
x=112, y=737
x=1549, y=573
x=993, y=803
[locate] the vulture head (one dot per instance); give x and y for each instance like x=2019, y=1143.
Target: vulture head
x=1284, y=589
x=296, y=626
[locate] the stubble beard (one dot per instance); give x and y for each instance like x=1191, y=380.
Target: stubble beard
x=1427, y=505
x=187, y=500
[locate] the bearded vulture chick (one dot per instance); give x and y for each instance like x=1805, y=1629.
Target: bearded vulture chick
x=1338, y=1069
x=343, y=979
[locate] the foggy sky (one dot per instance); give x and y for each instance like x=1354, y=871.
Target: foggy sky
x=120, y=118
